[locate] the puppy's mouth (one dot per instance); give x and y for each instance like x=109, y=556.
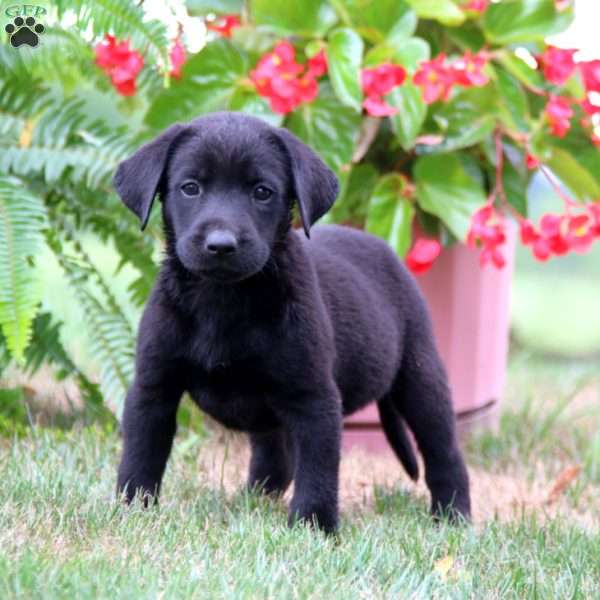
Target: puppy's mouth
x=223, y=274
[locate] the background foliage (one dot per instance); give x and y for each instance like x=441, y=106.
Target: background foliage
x=63, y=130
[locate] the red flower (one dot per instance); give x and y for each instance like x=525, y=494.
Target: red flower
x=317, y=65
x=377, y=82
x=435, y=79
x=491, y=254
x=422, y=255
x=531, y=161
x=282, y=80
x=479, y=6
x=552, y=227
x=558, y=64
x=377, y=107
x=594, y=210
x=541, y=249
x=467, y=70
x=382, y=79
x=224, y=25
x=590, y=108
x=559, y=113
x=177, y=56
x=488, y=231
x=120, y=63
x=529, y=233
x=590, y=71
x=581, y=232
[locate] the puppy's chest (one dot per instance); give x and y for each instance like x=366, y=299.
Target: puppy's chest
x=220, y=343
x=228, y=370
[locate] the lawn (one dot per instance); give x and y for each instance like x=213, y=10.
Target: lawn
x=62, y=535
x=536, y=514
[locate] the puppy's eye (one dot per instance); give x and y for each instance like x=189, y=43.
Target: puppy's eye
x=190, y=188
x=262, y=193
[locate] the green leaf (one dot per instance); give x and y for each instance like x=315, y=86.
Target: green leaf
x=306, y=18
x=412, y=110
x=391, y=215
x=377, y=20
x=328, y=126
x=578, y=179
x=209, y=82
x=444, y=11
x=408, y=53
x=514, y=109
x=515, y=188
x=22, y=218
x=447, y=190
x=355, y=191
x=219, y=7
x=344, y=56
x=524, y=20
x=248, y=101
x=468, y=36
x=521, y=70
x=467, y=119
x=411, y=52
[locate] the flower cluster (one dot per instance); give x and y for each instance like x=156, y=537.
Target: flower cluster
x=422, y=255
x=224, y=25
x=488, y=231
x=590, y=73
x=376, y=83
x=283, y=81
x=557, y=64
x=559, y=112
x=437, y=78
x=120, y=63
x=559, y=234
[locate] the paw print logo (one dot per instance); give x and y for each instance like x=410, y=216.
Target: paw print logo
x=24, y=31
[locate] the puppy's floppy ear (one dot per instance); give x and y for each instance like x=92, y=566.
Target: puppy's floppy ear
x=138, y=177
x=316, y=186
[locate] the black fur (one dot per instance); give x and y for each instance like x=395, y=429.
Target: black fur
x=271, y=333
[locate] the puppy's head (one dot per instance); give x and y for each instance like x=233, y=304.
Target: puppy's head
x=227, y=182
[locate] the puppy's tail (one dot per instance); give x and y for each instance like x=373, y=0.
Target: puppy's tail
x=395, y=432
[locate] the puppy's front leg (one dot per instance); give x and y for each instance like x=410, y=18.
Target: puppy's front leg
x=315, y=425
x=149, y=424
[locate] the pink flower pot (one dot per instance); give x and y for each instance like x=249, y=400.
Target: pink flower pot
x=469, y=306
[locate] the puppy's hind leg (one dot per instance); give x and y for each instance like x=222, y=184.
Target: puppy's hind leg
x=422, y=396
x=271, y=462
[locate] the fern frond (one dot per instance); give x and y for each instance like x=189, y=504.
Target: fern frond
x=109, y=330
x=22, y=218
x=123, y=19
x=64, y=56
x=64, y=137
x=46, y=347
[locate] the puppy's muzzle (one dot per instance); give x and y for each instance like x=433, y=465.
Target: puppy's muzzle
x=220, y=242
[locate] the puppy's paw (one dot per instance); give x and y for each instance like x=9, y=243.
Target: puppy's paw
x=320, y=515
x=130, y=491
x=456, y=510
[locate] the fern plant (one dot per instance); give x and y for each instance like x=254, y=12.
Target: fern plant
x=63, y=130
x=22, y=219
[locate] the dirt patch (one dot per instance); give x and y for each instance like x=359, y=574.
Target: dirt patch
x=506, y=496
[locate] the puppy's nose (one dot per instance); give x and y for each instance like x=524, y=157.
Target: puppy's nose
x=221, y=242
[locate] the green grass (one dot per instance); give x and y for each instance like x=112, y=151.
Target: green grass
x=62, y=534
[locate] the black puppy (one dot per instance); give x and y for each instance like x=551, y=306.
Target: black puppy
x=269, y=332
